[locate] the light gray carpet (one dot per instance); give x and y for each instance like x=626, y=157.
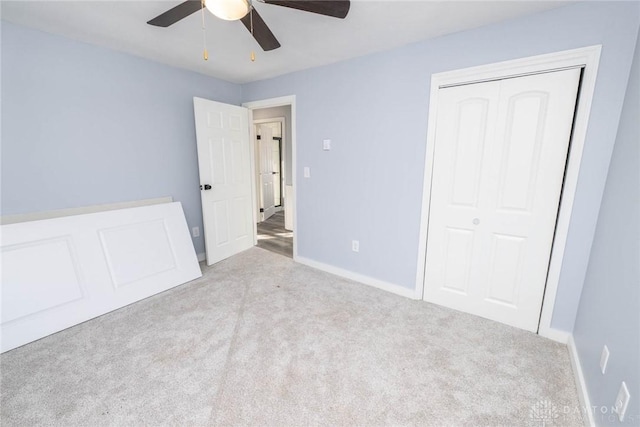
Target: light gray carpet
x=262, y=341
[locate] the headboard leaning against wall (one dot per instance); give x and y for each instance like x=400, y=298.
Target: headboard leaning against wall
x=65, y=267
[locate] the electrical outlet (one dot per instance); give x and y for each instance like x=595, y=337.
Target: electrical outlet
x=622, y=401
x=307, y=172
x=195, y=231
x=604, y=359
x=355, y=246
x=326, y=144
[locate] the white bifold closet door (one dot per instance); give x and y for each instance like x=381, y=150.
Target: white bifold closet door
x=499, y=162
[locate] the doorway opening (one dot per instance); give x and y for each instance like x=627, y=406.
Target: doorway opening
x=271, y=172
x=271, y=166
x=273, y=137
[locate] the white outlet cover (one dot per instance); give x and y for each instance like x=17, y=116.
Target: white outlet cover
x=326, y=144
x=622, y=401
x=355, y=246
x=195, y=231
x=307, y=172
x=604, y=359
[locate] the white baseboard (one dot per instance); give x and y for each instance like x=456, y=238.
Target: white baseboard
x=555, y=335
x=202, y=256
x=379, y=284
x=581, y=385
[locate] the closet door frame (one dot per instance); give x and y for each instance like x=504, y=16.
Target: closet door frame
x=588, y=59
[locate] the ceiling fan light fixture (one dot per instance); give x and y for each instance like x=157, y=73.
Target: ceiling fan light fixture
x=229, y=10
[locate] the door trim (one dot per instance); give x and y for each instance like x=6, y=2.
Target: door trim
x=268, y=103
x=587, y=58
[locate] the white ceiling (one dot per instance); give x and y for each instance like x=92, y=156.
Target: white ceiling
x=308, y=40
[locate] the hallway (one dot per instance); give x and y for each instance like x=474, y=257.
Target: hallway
x=273, y=237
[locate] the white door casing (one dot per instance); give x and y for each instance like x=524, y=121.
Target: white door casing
x=497, y=175
x=278, y=172
x=291, y=139
x=224, y=163
x=288, y=207
x=265, y=155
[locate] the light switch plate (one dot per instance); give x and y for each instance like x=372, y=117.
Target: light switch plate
x=195, y=231
x=307, y=172
x=326, y=145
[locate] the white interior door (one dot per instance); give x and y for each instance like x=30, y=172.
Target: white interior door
x=499, y=163
x=265, y=144
x=224, y=162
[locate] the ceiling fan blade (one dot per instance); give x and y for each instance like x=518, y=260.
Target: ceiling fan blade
x=177, y=13
x=261, y=31
x=334, y=8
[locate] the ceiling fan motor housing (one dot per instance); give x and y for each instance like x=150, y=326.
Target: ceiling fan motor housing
x=229, y=10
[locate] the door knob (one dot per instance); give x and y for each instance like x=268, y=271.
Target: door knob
x=206, y=187
x=476, y=221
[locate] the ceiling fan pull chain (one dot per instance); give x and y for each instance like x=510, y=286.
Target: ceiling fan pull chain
x=205, y=53
x=253, y=53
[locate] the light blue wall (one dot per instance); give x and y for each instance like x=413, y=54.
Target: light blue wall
x=374, y=108
x=609, y=310
x=83, y=125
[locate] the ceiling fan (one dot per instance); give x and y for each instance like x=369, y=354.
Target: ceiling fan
x=244, y=11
